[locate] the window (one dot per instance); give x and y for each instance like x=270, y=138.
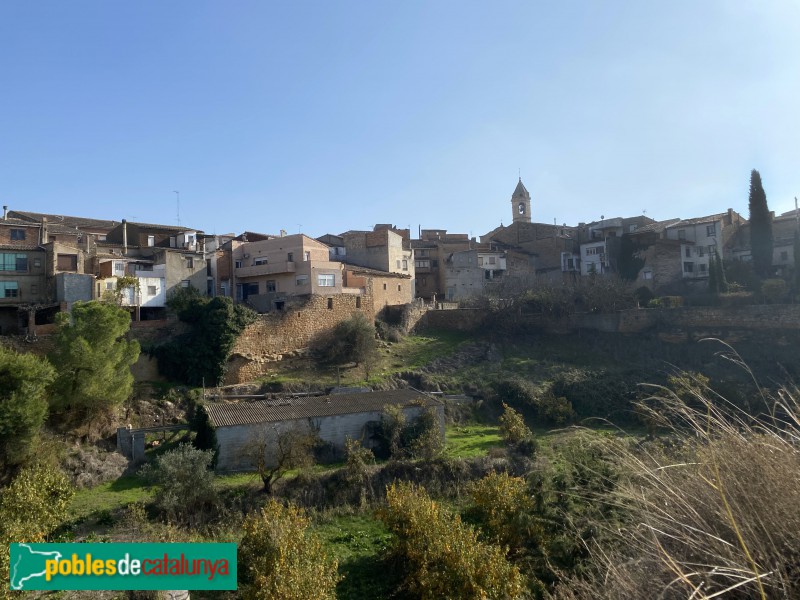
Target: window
x=647, y=274
x=173, y=242
x=185, y=283
x=189, y=262
x=784, y=256
x=688, y=252
x=711, y=230
x=9, y=289
x=435, y=263
x=492, y=260
x=422, y=264
x=290, y=257
x=384, y=286
x=688, y=267
x=238, y=264
x=358, y=301
x=101, y=238
x=119, y=267
x=632, y=228
x=591, y=268
x=18, y=235
x=151, y=240
x=681, y=234
x=10, y=261
x=272, y=285
x=593, y=250
x=330, y=303
x=399, y=288
x=67, y=262
x=260, y=260
x=701, y=251
x=326, y=280
x=109, y=285
x=702, y=267
x=34, y=289
x=480, y=261
x=37, y=262
x=405, y=265
x=711, y=249
x=301, y=280
x=306, y=256
x=398, y=264
x=152, y=290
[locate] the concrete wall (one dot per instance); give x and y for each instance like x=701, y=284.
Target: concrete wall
x=235, y=443
x=73, y=287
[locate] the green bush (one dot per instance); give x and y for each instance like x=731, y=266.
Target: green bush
x=440, y=555
x=350, y=341
x=539, y=403
x=23, y=406
x=280, y=558
x=31, y=507
x=398, y=438
x=200, y=356
x=186, y=494
x=512, y=426
x=93, y=362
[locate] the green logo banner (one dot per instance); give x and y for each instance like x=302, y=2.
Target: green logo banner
x=123, y=567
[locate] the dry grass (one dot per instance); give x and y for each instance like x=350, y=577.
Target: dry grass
x=717, y=518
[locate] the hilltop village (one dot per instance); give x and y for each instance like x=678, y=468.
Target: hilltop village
x=52, y=261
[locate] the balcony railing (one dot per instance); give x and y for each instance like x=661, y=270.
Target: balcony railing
x=266, y=269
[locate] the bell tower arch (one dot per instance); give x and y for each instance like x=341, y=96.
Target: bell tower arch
x=521, y=204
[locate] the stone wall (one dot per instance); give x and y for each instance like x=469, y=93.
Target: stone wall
x=460, y=319
x=279, y=333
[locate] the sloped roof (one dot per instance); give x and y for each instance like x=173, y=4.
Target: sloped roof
x=289, y=409
x=520, y=191
x=699, y=220
x=656, y=227
x=75, y=222
x=374, y=272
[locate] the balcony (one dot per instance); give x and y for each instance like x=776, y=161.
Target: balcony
x=266, y=269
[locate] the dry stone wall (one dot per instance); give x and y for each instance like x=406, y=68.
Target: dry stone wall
x=278, y=334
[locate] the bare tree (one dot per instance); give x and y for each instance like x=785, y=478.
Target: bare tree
x=275, y=450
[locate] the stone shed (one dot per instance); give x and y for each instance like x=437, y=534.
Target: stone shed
x=335, y=418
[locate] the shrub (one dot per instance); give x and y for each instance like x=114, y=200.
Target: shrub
x=350, y=341
x=357, y=462
x=31, y=507
x=539, y=403
x=186, y=493
x=502, y=507
x=440, y=555
x=200, y=356
x=280, y=558
x=23, y=406
x=398, y=438
x=512, y=426
x=773, y=290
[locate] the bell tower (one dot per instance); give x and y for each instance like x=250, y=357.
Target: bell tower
x=521, y=204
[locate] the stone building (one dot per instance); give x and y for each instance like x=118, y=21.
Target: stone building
x=241, y=426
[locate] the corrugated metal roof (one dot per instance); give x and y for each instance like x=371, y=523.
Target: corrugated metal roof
x=272, y=411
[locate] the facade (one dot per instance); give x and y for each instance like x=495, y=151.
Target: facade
x=700, y=238
x=784, y=230
x=472, y=272
x=381, y=288
x=431, y=251
x=241, y=426
x=268, y=272
x=386, y=248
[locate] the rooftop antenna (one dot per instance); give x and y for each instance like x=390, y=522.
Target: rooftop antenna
x=299, y=226
x=178, y=195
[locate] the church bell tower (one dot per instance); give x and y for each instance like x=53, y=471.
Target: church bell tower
x=521, y=204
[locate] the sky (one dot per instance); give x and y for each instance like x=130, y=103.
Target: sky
x=325, y=116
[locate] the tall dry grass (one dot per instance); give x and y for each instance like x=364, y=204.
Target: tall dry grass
x=717, y=516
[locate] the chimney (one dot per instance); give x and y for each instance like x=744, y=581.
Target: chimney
x=283, y=233
x=44, y=230
x=124, y=236
x=5, y=213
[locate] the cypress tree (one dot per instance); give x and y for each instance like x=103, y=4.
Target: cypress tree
x=760, y=227
x=722, y=280
x=713, y=281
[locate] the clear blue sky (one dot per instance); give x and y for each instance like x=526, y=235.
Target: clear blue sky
x=335, y=115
